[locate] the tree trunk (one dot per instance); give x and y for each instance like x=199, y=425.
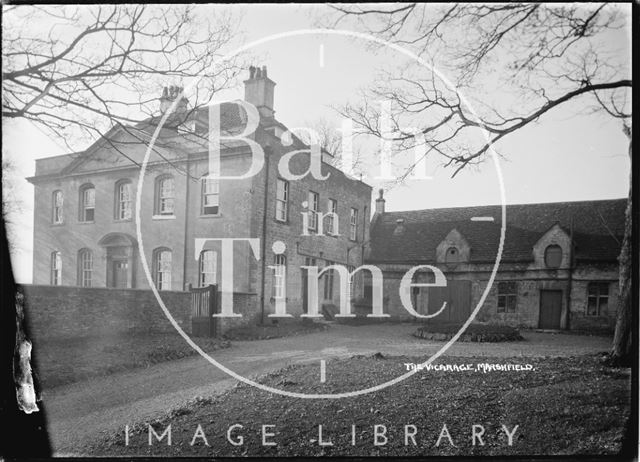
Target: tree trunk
x=622, y=349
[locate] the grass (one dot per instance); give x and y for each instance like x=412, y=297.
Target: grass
x=64, y=361
x=562, y=406
x=473, y=333
x=269, y=331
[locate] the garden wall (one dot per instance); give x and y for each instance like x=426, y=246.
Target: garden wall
x=67, y=312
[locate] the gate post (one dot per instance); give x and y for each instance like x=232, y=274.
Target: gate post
x=213, y=308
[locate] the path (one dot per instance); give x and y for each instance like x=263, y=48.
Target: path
x=80, y=413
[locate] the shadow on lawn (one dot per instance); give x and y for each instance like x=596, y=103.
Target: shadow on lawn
x=64, y=361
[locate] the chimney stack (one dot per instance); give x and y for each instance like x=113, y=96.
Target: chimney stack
x=169, y=95
x=258, y=90
x=380, y=202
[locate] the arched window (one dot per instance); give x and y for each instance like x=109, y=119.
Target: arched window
x=165, y=195
x=452, y=255
x=57, y=202
x=56, y=268
x=162, y=268
x=123, y=200
x=279, y=276
x=553, y=256
x=208, y=267
x=85, y=268
x=87, y=203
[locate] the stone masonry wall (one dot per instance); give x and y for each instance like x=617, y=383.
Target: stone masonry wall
x=68, y=312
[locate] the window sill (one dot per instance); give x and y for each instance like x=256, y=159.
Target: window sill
x=218, y=215
x=86, y=222
x=123, y=220
x=163, y=217
x=281, y=222
x=57, y=224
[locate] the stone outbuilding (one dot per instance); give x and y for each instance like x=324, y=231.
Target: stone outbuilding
x=558, y=270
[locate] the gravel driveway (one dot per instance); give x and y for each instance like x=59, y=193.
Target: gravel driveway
x=80, y=413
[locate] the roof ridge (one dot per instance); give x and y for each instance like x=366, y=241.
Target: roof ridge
x=507, y=205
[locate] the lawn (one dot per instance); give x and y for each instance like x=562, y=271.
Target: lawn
x=63, y=361
x=562, y=406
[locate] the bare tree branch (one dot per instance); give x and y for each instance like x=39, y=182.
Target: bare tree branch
x=78, y=71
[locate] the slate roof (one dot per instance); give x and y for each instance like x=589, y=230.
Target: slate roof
x=598, y=227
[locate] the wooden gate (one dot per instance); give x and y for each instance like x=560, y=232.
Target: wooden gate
x=204, y=303
x=550, y=309
x=457, y=294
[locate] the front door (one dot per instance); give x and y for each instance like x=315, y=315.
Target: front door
x=550, y=309
x=120, y=274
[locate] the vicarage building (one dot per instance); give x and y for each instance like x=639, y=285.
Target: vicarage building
x=558, y=267
x=85, y=235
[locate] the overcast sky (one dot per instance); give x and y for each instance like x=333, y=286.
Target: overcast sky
x=566, y=156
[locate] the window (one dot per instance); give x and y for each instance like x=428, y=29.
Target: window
x=452, y=255
x=597, y=298
x=208, y=267
x=353, y=224
x=507, y=297
x=332, y=208
x=279, y=276
x=87, y=203
x=282, y=200
x=313, y=211
x=56, y=269
x=352, y=280
x=328, y=283
x=210, y=196
x=85, y=267
x=162, y=269
x=123, y=200
x=553, y=256
x=165, y=195
x=58, y=202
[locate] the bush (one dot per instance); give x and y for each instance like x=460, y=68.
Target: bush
x=473, y=333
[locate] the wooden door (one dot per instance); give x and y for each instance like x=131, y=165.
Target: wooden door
x=120, y=274
x=550, y=309
x=457, y=295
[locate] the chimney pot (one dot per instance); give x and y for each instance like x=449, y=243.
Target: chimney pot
x=380, y=202
x=259, y=91
x=169, y=95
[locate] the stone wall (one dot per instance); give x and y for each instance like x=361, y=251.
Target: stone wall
x=530, y=281
x=68, y=312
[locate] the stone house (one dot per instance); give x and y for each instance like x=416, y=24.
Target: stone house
x=85, y=205
x=558, y=270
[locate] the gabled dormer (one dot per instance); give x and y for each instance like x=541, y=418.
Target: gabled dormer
x=552, y=249
x=453, y=249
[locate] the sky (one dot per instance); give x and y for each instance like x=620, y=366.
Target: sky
x=566, y=156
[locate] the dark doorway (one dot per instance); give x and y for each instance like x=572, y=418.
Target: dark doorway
x=550, y=309
x=457, y=295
